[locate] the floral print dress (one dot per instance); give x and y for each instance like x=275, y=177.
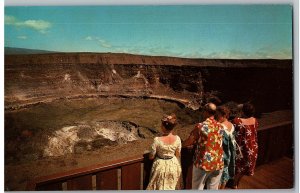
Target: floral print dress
x=246, y=138
x=166, y=169
x=229, y=148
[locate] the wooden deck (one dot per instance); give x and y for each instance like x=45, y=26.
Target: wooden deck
x=278, y=174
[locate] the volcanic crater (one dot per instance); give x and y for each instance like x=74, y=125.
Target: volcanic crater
x=68, y=110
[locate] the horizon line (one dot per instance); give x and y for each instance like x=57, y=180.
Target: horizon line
x=95, y=52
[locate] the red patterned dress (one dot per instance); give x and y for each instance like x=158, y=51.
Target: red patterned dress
x=246, y=138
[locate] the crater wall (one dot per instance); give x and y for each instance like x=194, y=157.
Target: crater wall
x=30, y=78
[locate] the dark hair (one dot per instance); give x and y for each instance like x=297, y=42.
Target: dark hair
x=223, y=111
x=209, y=108
x=169, y=121
x=248, y=109
x=235, y=109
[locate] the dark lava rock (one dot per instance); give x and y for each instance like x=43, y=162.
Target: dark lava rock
x=146, y=132
x=128, y=125
x=80, y=147
x=101, y=142
x=85, y=132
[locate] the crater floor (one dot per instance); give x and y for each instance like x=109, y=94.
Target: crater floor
x=37, y=137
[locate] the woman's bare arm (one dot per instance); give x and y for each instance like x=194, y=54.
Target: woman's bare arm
x=189, y=141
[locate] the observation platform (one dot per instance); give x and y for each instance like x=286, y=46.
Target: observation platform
x=275, y=168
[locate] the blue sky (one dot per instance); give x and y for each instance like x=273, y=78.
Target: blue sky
x=193, y=31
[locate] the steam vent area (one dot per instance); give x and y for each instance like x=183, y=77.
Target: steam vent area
x=71, y=110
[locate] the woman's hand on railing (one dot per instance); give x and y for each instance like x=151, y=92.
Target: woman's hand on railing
x=149, y=154
x=146, y=151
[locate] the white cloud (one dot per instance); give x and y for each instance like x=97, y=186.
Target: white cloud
x=89, y=38
x=106, y=45
x=160, y=50
x=194, y=54
x=232, y=54
x=271, y=52
x=101, y=42
x=38, y=25
x=22, y=37
x=261, y=53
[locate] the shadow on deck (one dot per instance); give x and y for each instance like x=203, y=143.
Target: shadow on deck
x=278, y=174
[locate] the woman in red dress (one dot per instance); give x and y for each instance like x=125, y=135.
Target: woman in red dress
x=246, y=138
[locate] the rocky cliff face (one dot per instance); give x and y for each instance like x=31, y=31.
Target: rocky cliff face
x=34, y=78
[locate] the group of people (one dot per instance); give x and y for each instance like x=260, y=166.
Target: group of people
x=223, y=150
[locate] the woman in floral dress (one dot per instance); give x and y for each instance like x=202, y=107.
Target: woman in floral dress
x=246, y=138
x=229, y=145
x=165, y=150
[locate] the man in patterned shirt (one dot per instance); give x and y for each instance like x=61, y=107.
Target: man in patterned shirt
x=208, y=156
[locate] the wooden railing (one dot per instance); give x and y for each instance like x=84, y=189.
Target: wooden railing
x=133, y=173
x=275, y=141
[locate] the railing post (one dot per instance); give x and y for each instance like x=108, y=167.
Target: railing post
x=147, y=170
x=187, y=167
